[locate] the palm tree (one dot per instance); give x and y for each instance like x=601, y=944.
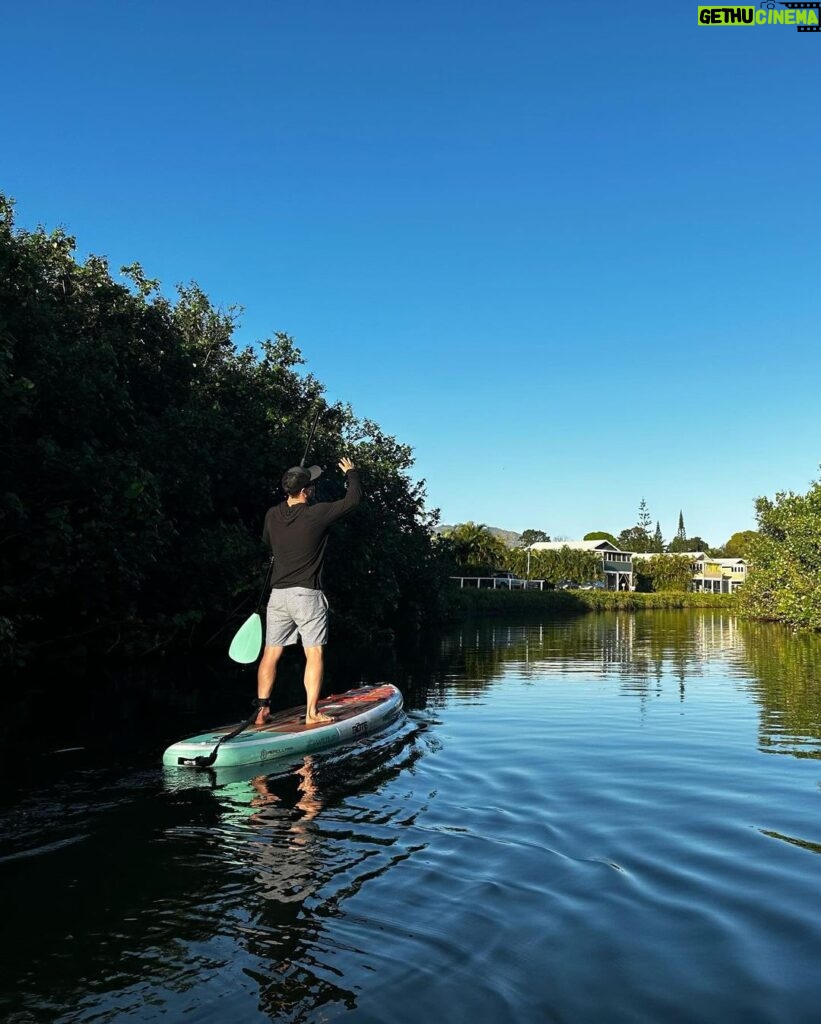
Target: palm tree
x=476, y=549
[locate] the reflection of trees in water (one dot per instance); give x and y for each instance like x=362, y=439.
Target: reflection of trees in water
x=786, y=683
x=413, y=662
x=638, y=647
x=644, y=648
x=180, y=877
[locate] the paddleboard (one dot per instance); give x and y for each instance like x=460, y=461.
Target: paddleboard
x=355, y=713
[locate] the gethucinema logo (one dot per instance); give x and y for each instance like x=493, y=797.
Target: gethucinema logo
x=806, y=17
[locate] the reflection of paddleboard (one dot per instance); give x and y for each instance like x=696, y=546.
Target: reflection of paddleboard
x=355, y=713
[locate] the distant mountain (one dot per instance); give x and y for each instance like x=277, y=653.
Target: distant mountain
x=509, y=537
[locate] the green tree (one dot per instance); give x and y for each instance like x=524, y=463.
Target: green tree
x=529, y=537
x=638, y=538
x=139, y=448
x=602, y=535
x=634, y=539
x=644, y=521
x=657, y=572
x=741, y=544
x=555, y=565
x=658, y=540
x=476, y=551
x=785, y=584
x=679, y=544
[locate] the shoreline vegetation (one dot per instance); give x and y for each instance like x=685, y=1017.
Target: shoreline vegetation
x=468, y=602
x=140, y=448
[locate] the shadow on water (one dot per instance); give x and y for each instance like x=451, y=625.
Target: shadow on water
x=131, y=713
x=187, y=865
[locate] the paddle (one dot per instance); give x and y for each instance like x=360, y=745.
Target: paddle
x=247, y=641
x=310, y=437
x=206, y=762
x=244, y=649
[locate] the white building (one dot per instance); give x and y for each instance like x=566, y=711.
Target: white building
x=617, y=565
x=712, y=575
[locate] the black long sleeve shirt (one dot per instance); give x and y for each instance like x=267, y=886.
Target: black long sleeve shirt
x=298, y=535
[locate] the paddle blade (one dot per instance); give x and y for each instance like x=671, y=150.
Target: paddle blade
x=247, y=641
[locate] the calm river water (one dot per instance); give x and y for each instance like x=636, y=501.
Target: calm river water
x=609, y=819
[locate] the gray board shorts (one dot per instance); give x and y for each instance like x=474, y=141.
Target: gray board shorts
x=296, y=611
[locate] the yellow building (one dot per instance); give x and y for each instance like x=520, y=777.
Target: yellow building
x=716, y=575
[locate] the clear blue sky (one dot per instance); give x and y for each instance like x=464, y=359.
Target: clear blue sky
x=569, y=253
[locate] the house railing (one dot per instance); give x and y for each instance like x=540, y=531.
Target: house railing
x=496, y=583
x=608, y=566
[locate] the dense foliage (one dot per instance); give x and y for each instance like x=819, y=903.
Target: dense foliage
x=640, y=537
x=556, y=566
x=529, y=537
x=139, y=451
x=661, y=572
x=473, y=549
x=602, y=535
x=679, y=544
x=740, y=544
x=472, y=601
x=785, y=584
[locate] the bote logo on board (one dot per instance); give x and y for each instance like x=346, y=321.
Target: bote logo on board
x=805, y=16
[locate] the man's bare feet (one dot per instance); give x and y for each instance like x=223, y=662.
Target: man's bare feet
x=263, y=716
x=317, y=718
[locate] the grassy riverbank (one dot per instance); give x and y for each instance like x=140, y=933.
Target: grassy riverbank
x=462, y=603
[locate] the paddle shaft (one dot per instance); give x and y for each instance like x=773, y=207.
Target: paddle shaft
x=265, y=584
x=311, y=437
x=206, y=762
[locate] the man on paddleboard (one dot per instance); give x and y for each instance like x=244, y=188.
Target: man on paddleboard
x=297, y=532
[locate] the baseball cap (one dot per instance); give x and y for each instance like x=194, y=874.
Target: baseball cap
x=298, y=477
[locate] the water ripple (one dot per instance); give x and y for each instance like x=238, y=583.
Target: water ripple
x=575, y=822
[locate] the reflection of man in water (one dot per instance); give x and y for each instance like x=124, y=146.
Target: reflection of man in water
x=302, y=862
x=288, y=872
x=297, y=532
x=291, y=864
x=309, y=801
